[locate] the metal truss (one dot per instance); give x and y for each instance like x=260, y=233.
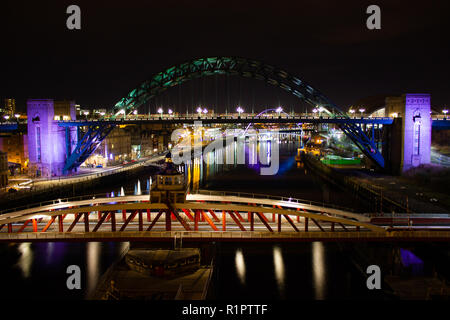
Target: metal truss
x=203, y=67
x=87, y=145
x=195, y=216
x=248, y=68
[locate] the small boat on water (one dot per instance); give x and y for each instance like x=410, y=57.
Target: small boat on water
x=156, y=274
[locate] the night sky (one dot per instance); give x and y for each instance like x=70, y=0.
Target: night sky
x=122, y=43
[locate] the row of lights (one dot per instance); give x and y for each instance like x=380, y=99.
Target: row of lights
x=17, y=116
x=352, y=111
x=201, y=110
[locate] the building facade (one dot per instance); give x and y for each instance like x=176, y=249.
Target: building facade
x=49, y=144
x=410, y=140
x=16, y=146
x=3, y=169
x=9, y=108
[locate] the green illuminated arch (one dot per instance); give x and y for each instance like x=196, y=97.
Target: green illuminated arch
x=203, y=67
x=248, y=68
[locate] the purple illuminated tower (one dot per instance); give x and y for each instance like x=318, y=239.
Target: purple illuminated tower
x=410, y=144
x=48, y=143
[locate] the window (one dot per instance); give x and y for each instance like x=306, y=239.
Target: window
x=38, y=144
x=416, y=142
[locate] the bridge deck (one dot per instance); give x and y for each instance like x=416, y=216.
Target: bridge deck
x=227, y=119
x=206, y=216
x=197, y=236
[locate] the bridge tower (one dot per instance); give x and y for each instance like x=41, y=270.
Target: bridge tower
x=49, y=145
x=169, y=185
x=409, y=138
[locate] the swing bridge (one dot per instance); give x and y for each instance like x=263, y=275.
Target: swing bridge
x=206, y=216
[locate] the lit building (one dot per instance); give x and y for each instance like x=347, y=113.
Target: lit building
x=9, y=108
x=3, y=169
x=49, y=144
x=115, y=149
x=410, y=142
x=16, y=146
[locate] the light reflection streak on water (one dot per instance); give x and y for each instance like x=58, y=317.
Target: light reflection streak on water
x=279, y=268
x=240, y=265
x=318, y=266
x=50, y=248
x=252, y=149
x=93, y=267
x=26, y=259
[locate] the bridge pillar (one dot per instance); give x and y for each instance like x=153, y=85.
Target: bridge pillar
x=48, y=144
x=409, y=138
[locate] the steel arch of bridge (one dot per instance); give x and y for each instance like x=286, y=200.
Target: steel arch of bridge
x=248, y=68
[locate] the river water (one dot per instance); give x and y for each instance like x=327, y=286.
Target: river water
x=303, y=270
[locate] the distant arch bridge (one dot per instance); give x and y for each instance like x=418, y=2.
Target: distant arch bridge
x=204, y=67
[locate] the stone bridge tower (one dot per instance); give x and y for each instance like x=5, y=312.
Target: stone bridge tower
x=409, y=139
x=49, y=144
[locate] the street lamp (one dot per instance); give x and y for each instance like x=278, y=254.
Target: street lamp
x=239, y=110
x=199, y=110
x=279, y=109
x=170, y=111
x=160, y=111
x=6, y=117
x=86, y=113
x=320, y=111
x=362, y=110
x=315, y=110
x=17, y=116
x=445, y=111
x=205, y=111
x=135, y=112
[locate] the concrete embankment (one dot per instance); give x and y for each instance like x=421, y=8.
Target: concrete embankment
x=377, y=201
x=68, y=189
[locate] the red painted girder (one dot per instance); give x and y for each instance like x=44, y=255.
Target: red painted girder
x=130, y=217
x=188, y=214
x=263, y=220
x=290, y=222
x=75, y=221
x=99, y=223
x=236, y=220
x=24, y=226
x=210, y=222
x=154, y=220
x=49, y=223
x=317, y=224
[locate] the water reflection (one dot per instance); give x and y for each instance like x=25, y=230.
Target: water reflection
x=318, y=266
x=218, y=160
x=50, y=249
x=93, y=250
x=240, y=265
x=279, y=268
x=411, y=261
x=26, y=259
x=137, y=188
